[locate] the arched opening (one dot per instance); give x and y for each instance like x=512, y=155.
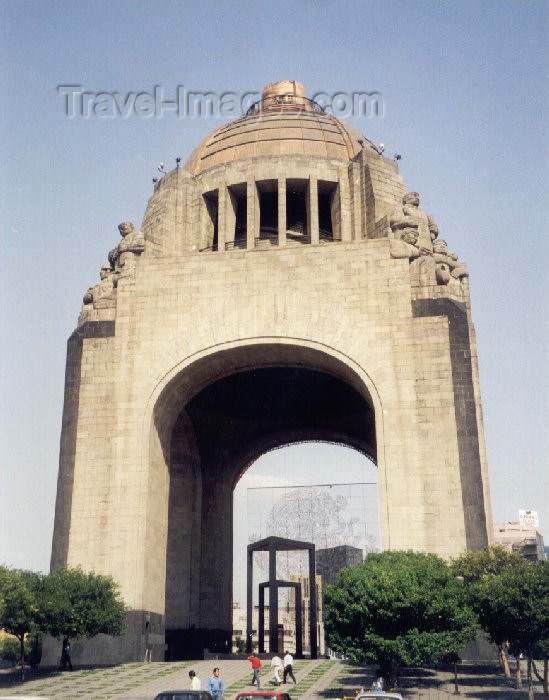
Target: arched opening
x=317, y=492
x=212, y=421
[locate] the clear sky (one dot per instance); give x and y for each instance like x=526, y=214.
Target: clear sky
x=464, y=87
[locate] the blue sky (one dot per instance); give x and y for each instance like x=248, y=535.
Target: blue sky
x=464, y=86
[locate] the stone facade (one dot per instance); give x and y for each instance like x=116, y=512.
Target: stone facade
x=270, y=297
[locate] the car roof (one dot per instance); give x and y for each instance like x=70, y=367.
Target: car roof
x=183, y=694
x=371, y=694
x=262, y=694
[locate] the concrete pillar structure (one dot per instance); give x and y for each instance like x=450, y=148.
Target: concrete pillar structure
x=282, y=211
x=312, y=210
x=252, y=216
x=188, y=363
x=223, y=216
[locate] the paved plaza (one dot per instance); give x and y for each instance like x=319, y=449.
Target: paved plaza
x=315, y=679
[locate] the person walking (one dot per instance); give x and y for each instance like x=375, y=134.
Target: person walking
x=66, y=652
x=215, y=685
x=289, y=667
x=195, y=683
x=256, y=665
x=378, y=683
x=276, y=668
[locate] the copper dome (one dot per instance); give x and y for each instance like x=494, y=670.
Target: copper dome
x=283, y=122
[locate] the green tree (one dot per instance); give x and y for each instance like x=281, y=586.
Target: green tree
x=514, y=605
x=480, y=566
x=19, y=606
x=78, y=604
x=475, y=567
x=240, y=644
x=10, y=650
x=398, y=608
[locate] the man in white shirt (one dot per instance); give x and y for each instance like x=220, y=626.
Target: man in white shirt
x=276, y=667
x=288, y=667
x=195, y=681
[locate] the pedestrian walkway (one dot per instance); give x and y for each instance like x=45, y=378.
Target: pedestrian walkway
x=478, y=682
x=319, y=679
x=92, y=683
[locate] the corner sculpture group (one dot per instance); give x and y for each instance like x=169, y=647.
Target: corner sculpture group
x=415, y=236
x=121, y=263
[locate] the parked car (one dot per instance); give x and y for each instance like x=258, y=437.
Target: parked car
x=376, y=694
x=184, y=695
x=254, y=694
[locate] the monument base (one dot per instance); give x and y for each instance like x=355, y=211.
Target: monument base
x=142, y=640
x=196, y=643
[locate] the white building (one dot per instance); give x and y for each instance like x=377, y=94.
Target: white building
x=525, y=539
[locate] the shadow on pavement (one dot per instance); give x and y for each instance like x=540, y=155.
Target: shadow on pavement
x=417, y=673
x=11, y=678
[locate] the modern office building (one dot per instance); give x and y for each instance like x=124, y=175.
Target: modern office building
x=517, y=537
x=330, y=561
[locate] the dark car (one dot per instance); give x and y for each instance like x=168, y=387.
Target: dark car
x=184, y=695
x=254, y=694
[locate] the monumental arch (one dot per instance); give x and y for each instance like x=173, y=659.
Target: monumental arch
x=283, y=286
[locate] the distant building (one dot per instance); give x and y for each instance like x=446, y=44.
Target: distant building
x=525, y=539
x=305, y=607
x=286, y=628
x=529, y=518
x=330, y=561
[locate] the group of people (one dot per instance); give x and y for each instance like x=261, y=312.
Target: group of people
x=215, y=683
x=287, y=664
x=278, y=666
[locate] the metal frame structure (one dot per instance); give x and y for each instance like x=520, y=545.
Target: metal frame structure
x=298, y=620
x=274, y=545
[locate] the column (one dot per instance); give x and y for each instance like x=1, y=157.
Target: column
x=205, y=222
x=252, y=214
x=282, y=211
x=356, y=180
x=261, y=620
x=223, y=195
x=312, y=603
x=273, y=600
x=230, y=218
x=298, y=622
x=335, y=212
x=345, y=208
x=249, y=600
x=312, y=210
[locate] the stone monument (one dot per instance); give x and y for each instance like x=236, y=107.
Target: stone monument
x=283, y=287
